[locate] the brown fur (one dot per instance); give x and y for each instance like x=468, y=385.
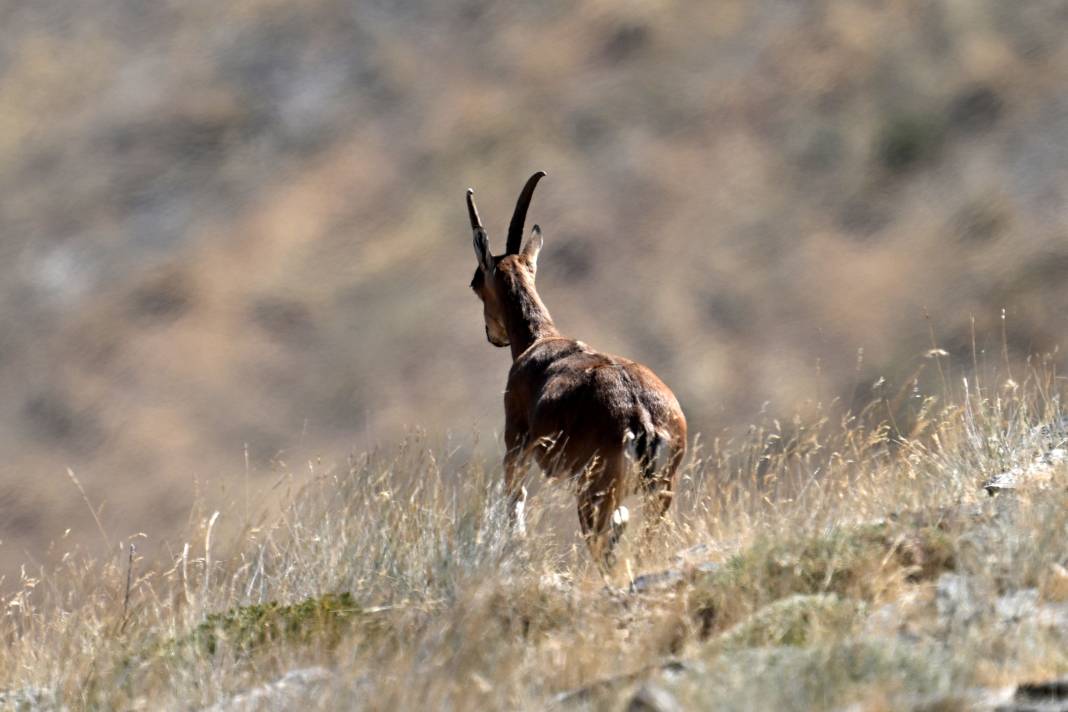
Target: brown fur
x=573, y=410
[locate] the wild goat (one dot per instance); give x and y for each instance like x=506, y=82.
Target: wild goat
x=573, y=410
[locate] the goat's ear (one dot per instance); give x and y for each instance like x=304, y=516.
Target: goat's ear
x=482, y=251
x=533, y=246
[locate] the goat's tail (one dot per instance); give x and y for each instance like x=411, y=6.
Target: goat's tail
x=649, y=448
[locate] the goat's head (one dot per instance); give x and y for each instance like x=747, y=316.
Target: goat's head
x=496, y=276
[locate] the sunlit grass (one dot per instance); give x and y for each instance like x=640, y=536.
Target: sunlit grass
x=804, y=558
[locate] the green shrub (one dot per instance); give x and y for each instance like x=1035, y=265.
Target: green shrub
x=323, y=621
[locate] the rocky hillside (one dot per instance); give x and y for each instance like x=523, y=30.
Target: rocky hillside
x=234, y=237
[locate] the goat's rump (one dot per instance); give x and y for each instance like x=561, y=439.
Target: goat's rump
x=604, y=402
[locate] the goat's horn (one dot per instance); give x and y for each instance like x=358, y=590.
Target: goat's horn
x=472, y=212
x=515, y=228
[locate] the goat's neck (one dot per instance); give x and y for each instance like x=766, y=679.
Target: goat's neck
x=526, y=317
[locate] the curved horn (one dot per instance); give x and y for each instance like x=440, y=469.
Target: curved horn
x=515, y=228
x=472, y=212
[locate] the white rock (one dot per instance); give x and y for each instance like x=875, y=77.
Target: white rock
x=284, y=693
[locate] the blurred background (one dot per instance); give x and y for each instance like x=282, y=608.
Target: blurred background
x=233, y=237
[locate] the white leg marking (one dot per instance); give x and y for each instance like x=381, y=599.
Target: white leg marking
x=520, y=513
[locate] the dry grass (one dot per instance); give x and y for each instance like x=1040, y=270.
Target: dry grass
x=810, y=556
x=241, y=229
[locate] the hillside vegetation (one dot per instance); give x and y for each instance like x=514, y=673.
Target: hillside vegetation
x=834, y=562
x=233, y=234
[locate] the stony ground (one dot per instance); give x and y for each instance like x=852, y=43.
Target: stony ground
x=234, y=238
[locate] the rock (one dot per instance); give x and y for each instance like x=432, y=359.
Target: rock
x=286, y=692
x=30, y=699
x=1045, y=696
x=688, y=564
x=1039, y=472
x=698, y=551
x=669, y=671
x=960, y=599
x=1025, y=606
x=556, y=583
x=1017, y=606
x=1052, y=436
x=1049, y=689
x=653, y=698
x=707, y=551
x=655, y=581
x=1049, y=441
x=1003, y=481
x=896, y=618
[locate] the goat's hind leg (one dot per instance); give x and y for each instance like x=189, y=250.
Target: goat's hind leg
x=601, y=518
x=658, y=486
x=515, y=469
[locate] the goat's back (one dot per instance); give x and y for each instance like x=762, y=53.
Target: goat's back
x=598, y=402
